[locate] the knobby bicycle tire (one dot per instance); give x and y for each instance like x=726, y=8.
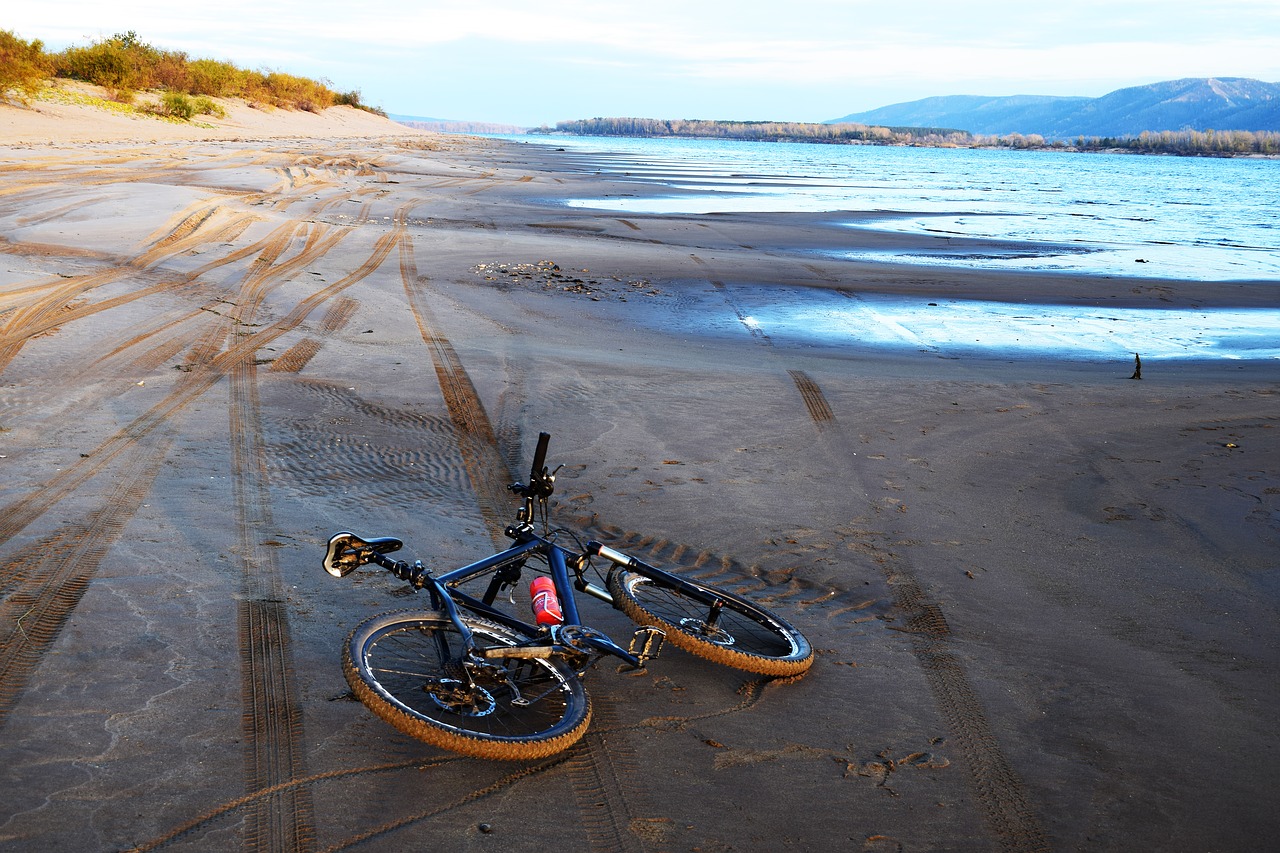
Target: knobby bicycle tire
x=403, y=666
x=746, y=636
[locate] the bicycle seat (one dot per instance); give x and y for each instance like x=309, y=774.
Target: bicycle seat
x=347, y=551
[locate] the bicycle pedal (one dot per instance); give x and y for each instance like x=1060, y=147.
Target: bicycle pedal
x=646, y=642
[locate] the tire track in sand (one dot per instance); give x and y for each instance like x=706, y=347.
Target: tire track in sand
x=477, y=443
x=814, y=400
x=751, y=691
x=755, y=331
x=275, y=752
x=56, y=304
x=41, y=586
x=608, y=800
x=276, y=742
x=837, y=604
x=601, y=771
x=998, y=788
x=298, y=356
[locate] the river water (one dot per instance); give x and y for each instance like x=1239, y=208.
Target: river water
x=1191, y=219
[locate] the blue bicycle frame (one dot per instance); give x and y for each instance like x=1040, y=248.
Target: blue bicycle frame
x=348, y=551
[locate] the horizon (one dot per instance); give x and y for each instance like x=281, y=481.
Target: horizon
x=838, y=119
x=500, y=62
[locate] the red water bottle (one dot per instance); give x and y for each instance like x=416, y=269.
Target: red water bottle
x=546, y=605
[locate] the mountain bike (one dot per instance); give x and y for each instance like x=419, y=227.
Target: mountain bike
x=469, y=676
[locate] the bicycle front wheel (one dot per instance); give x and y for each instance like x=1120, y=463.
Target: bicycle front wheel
x=407, y=668
x=737, y=633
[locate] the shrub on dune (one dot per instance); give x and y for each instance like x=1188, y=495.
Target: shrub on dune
x=124, y=64
x=23, y=66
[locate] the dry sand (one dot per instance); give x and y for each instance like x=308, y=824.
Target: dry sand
x=1043, y=595
x=77, y=113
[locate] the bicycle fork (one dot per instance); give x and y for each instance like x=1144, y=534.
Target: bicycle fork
x=708, y=625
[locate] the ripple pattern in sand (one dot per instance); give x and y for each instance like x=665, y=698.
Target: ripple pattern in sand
x=350, y=444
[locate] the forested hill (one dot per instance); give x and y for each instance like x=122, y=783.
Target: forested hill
x=1229, y=143
x=770, y=131
x=1220, y=103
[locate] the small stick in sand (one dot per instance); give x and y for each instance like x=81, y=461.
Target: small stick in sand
x=1137, y=367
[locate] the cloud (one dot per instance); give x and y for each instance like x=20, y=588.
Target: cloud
x=824, y=63
x=702, y=56
x=800, y=38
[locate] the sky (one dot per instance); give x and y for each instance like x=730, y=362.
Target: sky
x=536, y=62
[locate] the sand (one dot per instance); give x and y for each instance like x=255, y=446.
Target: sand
x=1043, y=595
x=76, y=113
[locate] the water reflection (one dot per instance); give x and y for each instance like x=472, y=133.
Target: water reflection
x=956, y=327
x=1080, y=249
x=1186, y=218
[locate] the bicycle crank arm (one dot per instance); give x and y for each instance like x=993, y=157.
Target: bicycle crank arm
x=519, y=652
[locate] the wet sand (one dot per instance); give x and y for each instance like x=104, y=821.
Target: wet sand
x=1043, y=594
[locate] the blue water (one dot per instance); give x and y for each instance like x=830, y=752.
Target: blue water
x=1188, y=218
x=1191, y=219
x=954, y=327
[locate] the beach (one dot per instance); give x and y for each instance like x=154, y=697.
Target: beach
x=1042, y=593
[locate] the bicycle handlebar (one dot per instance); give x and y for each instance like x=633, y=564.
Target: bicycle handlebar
x=541, y=481
x=539, y=456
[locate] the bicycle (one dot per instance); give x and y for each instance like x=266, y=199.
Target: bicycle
x=470, y=677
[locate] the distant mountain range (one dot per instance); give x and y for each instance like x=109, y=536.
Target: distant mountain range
x=1218, y=103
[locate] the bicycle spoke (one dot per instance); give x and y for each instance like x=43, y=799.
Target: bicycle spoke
x=412, y=665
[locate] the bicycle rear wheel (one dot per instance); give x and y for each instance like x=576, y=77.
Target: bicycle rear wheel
x=742, y=635
x=405, y=667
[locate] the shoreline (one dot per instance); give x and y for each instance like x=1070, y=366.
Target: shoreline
x=1041, y=594
x=798, y=247
x=1137, y=232
x=814, y=239
x=822, y=233
x=1048, y=147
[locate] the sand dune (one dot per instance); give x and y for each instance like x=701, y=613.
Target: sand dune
x=69, y=121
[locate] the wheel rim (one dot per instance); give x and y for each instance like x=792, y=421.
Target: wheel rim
x=750, y=633
x=523, y=699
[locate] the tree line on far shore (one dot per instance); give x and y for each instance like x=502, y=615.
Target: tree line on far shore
x=1220, y=143
x=762, y=131
x=125, y=65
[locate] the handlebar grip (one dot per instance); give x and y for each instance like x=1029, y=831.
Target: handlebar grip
x=540, y=456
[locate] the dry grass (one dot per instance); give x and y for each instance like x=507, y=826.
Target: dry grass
x=125, y=65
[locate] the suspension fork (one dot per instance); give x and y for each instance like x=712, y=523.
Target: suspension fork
x=714, y=603
x=631, y=564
